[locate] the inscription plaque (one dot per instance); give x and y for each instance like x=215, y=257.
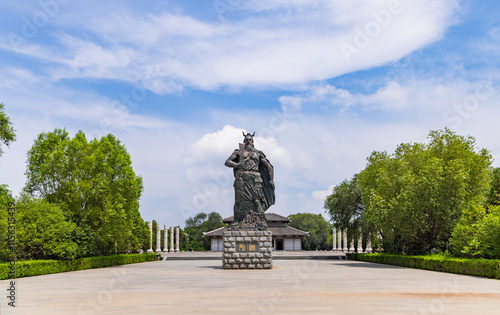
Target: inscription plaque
x=247, y=247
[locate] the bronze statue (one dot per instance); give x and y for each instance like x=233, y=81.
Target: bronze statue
x=253, y=184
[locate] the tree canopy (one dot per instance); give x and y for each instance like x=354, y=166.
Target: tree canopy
x=42, y=231
x=344, y=204
x=192, y=235
x=5, y=199
x=415, y=196
x=318, y=229
x=493, y=197
x=94, y=185
x=477, y=233
x=7, y=132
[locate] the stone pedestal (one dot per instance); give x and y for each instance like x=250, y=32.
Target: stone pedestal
x=247, y=250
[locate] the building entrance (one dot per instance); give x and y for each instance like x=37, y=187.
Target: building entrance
x=279, y=244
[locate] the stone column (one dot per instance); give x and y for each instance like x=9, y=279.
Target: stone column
x=360, y=240
x=150, y=225
x=171, y=239
x=334, y=237
x=346, y=246
x=351, y=244
x=339, y=240
x=379, y=240
x=158, y=237
x=165, y=239
x=369, y=243
x=177, y=240
x=342, y=240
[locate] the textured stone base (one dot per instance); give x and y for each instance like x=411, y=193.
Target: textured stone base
x=247, y=250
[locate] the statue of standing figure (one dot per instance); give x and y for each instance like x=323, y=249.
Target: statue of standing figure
x=253, y=185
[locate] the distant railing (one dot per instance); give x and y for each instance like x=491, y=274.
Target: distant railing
x=355, y=244
x=165, y=239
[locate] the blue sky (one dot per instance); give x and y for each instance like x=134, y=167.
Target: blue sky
x=322, y=83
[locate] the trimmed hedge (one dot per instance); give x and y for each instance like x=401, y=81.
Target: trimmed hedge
x=489, y=268
x=29, y=268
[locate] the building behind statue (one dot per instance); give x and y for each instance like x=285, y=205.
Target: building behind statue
x=284, y=237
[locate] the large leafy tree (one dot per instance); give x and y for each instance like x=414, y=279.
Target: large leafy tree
x=42, y=231
x=318, y=229
x=493, y=197
x=344, y=205
x=5, y=199
x=415, y=196
x=94, y=185
x=192, y=235
x=477, y=233
x=7, y=132
x=345, y=208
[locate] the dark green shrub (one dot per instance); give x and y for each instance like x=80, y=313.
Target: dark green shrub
x=489, y=268
x=29, y=268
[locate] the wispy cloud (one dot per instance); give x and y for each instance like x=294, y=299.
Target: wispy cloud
x=294, y=51
x=285, y=44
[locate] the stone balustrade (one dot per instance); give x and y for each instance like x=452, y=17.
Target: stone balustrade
x=340, y=243
x=166, y=231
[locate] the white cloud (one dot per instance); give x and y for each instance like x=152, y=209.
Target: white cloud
x=212, y=149
x=323, y=133
x=217, y=144
x=183, y=165
x=322, y=194
x=273, y=151
x=423, y=96
x=272, y=44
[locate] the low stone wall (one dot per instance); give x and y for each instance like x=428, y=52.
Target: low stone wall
x=247, y=250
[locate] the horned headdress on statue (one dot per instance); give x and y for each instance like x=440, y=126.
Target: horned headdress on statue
x=248, y=138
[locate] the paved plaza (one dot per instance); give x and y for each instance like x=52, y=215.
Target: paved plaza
x=291, y=287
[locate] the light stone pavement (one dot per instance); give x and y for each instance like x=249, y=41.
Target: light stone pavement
x=291, y=287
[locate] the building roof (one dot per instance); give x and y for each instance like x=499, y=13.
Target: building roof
x=281, y=230
x=270, y=217
x=216, y=232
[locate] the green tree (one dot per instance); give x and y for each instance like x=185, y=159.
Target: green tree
x=318, y=229
x=42, y=231
x=493, y=197
x=5, y=199
x=415, y=196
x=192, y=235
x=7, y=132
x=95, y=186
x=345, y=205
x=345, y=208
x=477, y=233
x=195, y=221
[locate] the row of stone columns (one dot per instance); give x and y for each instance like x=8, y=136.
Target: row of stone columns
x=339, y=245
x=165, y=238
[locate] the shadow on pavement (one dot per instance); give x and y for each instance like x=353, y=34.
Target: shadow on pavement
x=362, y=264
x=210, y=267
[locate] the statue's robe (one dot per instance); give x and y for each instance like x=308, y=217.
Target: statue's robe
x=253, y=189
